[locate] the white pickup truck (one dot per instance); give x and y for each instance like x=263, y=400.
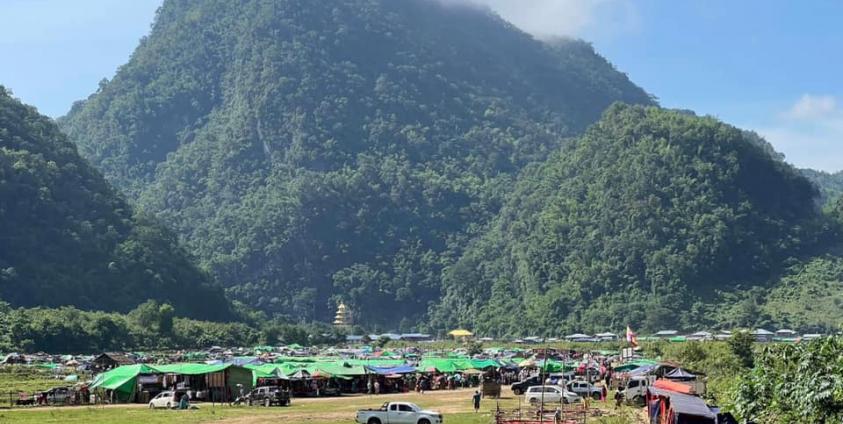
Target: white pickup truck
x=398, y=413
x=635, y=390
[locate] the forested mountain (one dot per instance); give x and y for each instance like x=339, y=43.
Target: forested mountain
x=830, y=184
x=648, y=218
x=66, y=238
x=310, y=150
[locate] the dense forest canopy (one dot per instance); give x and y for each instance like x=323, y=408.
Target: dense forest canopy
x=309, y=151
x=830, y=184
x=646, y=219
x=67, y=238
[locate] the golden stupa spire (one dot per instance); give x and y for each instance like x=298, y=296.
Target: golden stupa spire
x=343, y=316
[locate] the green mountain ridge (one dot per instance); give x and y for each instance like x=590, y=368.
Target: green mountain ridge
x=652, y=217
x=433, y=166
x=346, y=149
x=69, y=239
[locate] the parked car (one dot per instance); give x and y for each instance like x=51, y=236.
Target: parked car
x=520, y=387
x=268, y=396
x=550, y=394
x=58, y=396
x=398, y=413
x=561, y=379
x=166, y=399
x=584, y=389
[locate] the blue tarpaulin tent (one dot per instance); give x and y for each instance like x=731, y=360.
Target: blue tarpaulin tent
x=403, y=369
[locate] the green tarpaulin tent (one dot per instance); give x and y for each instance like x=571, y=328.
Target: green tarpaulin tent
x=123, y=380
x=190, y=369
x=451, y=365
x=631, y=365
x=267, y=371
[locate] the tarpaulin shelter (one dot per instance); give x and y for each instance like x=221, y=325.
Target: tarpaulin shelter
x=121, y=380
x=376, y=362
x=443, y=365
x=124, y=380
x=338, y=369
x=527, y=363
x=188, y=368
x=267, y=371
x=549, y=365
x=244, y=360
x=460, y=333
x=669, y=406
x=221, y=376
x=300, y=375
x=404, y=369
x=481, y=364
x=631, y=365
x=195, y=356
x=646, y=369
x=680, y=374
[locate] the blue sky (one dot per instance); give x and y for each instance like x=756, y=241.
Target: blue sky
x=772, y=66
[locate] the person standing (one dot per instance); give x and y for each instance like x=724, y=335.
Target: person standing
x=618, y=399
x=476, y=399
x=184, y=402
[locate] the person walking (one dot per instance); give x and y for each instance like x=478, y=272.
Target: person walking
x=476, y=399
x=618, y=399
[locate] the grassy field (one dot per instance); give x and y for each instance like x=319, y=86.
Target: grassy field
x=27, y=379
x=455, y=405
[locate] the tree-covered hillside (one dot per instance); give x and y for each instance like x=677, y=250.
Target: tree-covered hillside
x=66, y=238
x=644, y=219
x=830, y=184
x=309, y=150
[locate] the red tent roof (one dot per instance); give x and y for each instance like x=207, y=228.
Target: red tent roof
x=674, y=386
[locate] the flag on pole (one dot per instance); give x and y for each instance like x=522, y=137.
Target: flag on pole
x=631, y=338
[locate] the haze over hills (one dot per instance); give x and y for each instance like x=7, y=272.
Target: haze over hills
x=69, y=239
x=310, y=151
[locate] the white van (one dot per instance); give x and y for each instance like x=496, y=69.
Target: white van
x=550, y=394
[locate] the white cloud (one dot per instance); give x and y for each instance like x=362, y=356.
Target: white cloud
x=564, y=18
x=812, y=107
x=809, y=133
